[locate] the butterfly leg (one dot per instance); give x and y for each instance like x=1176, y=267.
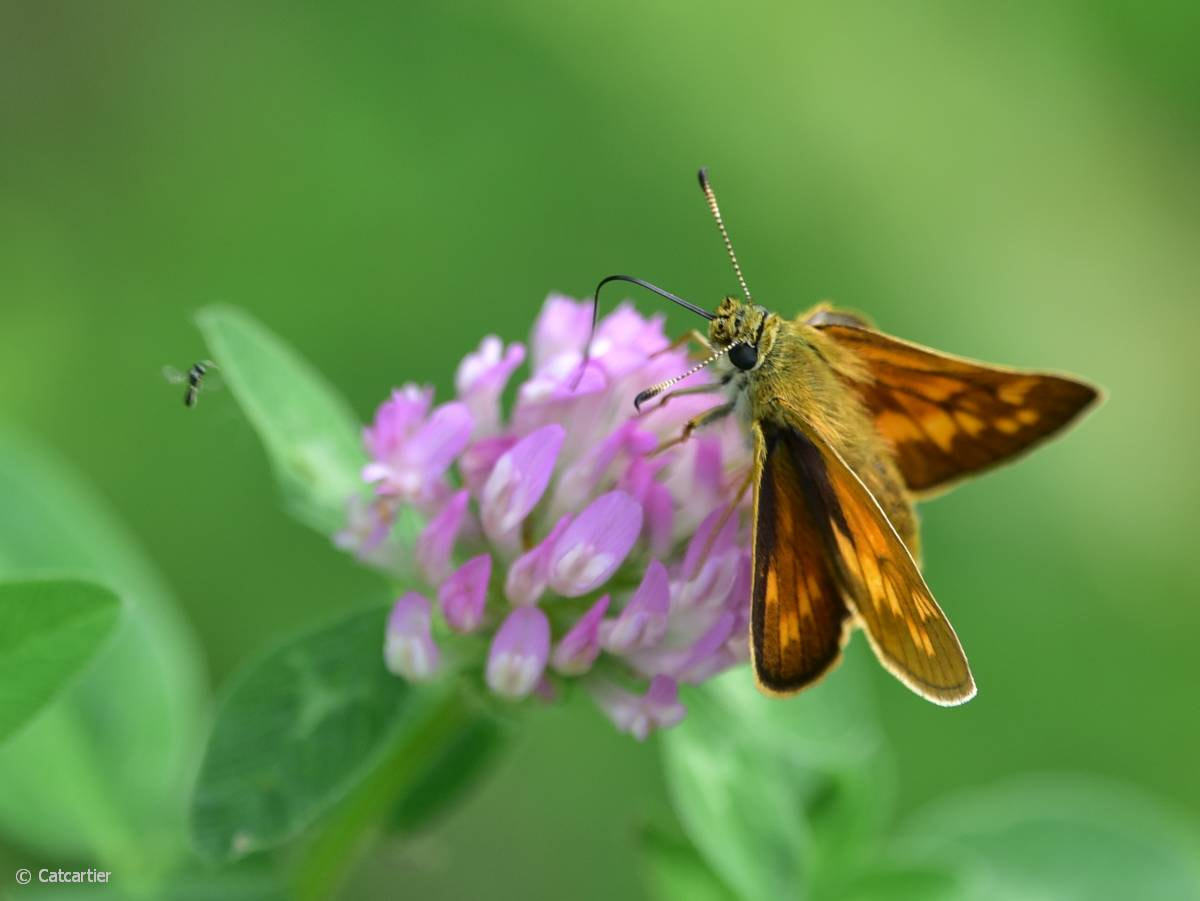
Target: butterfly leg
x=712, y=388
x=705, y=418
x=712, y=536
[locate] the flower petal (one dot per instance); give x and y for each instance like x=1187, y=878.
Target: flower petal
x=580, y=480
x=396, y=419
x=704, y=545
x=367, y=526
x=560, y=394
x=659, y=707
x=518, y=481
x=519, y=652
x=414, y=463
x=695, y=647
x=708, y=655
x=436, y=541
x=478, y=460
x=481, y=378
x=463, y=596
x=561, y=327
x=580, y=647
x=710, y=587
x=697, y=479
x=625, y=339
x=657, y=503
x=662, y=702
x=529, y=574
x=643, y=622
x=408, y=648
x=441, y=438
x=595, y=544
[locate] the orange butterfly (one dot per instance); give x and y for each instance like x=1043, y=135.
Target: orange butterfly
x=850, y=426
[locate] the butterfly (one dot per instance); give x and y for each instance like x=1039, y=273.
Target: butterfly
x=850, y=426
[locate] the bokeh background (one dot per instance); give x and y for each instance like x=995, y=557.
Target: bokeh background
x=383, y=185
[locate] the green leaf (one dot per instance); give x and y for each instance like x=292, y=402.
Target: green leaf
x=48, y=631
x=775, y=794
x=310, y=434
x=674, y=871
x=101, y=772
x=298, y=729
x=1066, y=838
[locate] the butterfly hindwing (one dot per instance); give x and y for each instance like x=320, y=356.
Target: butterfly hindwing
x=798, y=620
x=948, y=417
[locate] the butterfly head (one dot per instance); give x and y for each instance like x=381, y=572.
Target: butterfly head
x=745, y=329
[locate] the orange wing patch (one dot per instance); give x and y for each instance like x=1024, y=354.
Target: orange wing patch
x=947, y=417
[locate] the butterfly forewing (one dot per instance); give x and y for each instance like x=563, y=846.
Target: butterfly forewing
x=947, y=417
x=798, y=620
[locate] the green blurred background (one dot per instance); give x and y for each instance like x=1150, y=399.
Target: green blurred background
x=383, y=185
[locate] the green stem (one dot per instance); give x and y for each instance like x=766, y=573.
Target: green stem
x=352, y=826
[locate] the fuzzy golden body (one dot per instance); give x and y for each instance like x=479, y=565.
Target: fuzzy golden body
x=805, y=375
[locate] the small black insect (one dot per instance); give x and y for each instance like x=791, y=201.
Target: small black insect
x=194, y=378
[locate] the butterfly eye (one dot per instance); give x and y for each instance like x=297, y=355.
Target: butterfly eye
x=743, y=356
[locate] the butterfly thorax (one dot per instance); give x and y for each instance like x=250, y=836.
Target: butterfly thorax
x=792, y=372
x=800, y=378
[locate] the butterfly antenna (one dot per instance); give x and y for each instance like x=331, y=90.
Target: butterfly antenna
x=587, y=350
x=655, y=390
x=716, y=211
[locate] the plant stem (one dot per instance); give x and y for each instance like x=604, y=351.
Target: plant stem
x=350, y=828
